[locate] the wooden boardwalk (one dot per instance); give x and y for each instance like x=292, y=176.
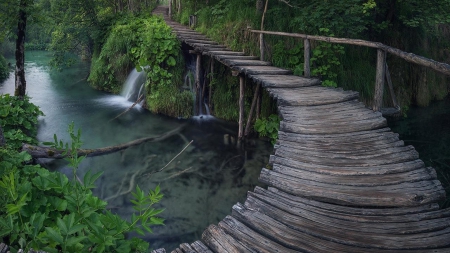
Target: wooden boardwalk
x=341, y=180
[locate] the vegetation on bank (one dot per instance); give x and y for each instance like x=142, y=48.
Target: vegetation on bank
x=144, y=42
x=47, y=211
x=412, y=26
x=4, y=68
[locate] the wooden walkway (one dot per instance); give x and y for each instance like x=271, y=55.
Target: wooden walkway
x=341, y=180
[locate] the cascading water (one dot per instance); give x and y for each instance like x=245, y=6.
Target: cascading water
x=133, y=87
x=201, y=109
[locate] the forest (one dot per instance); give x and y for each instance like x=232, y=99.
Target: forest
x=115, y=36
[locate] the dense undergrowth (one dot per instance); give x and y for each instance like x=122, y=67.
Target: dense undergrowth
x=144, y=42
x=412, y=26
x=47, y=210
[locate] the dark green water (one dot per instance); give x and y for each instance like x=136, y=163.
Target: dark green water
x=199, y=187
x=428, y=130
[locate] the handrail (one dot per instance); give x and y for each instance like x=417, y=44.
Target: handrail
x=438, y=66
x=381, y=72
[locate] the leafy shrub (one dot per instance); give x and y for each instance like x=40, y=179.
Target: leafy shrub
x=18, y=118
x=45, y=210
x=268, y=127
x=4, y=69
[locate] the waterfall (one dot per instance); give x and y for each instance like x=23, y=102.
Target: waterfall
x=133, y=87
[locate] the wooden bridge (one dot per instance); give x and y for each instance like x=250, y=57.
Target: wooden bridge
x=340, y=179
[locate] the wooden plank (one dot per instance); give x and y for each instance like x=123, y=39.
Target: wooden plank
x=331, y=224
x=186, y=248
x=309, y=96
x=405, y=194
x=395, y=214
x=340, y=241
x=257, y=70
x=251, y=238
x=223, y=52
x=357, y=180
x=333, y=128
x=379, y=134
x=200, y=247
x=355, y=148
x=349, y=170
x=348, y=160
x=222, y=57
x=284, y=81
x=177, y=250
x=233, y=62
x=218, y=241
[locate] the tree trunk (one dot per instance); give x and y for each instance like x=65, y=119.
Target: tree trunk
x=20, y=50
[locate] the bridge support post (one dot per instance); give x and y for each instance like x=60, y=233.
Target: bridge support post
x=307, y=56
x=252, y=109
x=198, y=65
x=379, y=84
x=170, y=9
x=241, y=106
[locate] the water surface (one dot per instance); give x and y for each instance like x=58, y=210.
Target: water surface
x=199, y=187
x=428, y=130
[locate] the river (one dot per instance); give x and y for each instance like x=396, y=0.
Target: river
x=199, y=187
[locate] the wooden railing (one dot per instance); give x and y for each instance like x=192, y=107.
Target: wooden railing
x=382, y=71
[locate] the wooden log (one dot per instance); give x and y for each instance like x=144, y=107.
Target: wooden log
x=48, y=152
x=380, y=76
x=241, y=106
x=307, y=57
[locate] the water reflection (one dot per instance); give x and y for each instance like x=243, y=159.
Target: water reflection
x=199, y=187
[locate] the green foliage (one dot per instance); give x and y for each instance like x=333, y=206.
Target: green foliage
x=4, y=69
x=268, y=127
x=45, y=210
x=18, y=118
x=324, y=60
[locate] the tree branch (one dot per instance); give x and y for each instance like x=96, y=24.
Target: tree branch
x=48, y=152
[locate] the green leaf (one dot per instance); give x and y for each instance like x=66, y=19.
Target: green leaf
x=62, y=226
x=53, y=235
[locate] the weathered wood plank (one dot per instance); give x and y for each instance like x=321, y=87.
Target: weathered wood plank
x=223, y=52
x=308, y=97
x=200, y=247
x=349, y=170
x=218, y=241
x=231, y=62
x=284, y=81
x=222, y=57
x=257, y=70
x=358, y=180
x=323, y=224
x=405, y=194
x=177, y=250
x=395, y=214
x=159, y=251
x=248, y=237
x=186, y=248
x=334, y=128
x=342, y=241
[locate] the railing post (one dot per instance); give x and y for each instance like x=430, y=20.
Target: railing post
x=261, y=46
x=380, y=76
x=170, y=9
x=241, y=106
x=391, y=88
x=307, y=56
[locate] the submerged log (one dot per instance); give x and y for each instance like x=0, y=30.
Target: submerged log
x=49, y=152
